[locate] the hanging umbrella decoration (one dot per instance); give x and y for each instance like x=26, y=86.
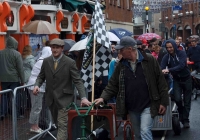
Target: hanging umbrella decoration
x=39, y=27
x=148, y=36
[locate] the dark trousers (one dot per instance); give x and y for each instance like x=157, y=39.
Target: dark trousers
x=184, y=88
x=6, y=99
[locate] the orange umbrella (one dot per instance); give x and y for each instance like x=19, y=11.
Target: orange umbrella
x=40, y=27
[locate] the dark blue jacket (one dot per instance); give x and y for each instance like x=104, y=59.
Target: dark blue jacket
x=177, y=64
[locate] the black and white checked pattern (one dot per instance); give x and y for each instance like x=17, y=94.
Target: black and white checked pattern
x=103, y=53
x=102, y=60
x=100, y=27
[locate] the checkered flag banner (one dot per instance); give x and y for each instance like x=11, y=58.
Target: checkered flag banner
x=102, y=60
x=100, y=27
x=103, y=49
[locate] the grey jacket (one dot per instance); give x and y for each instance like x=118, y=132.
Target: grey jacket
x=28, y=64
x=11, y=65
x=59, y=87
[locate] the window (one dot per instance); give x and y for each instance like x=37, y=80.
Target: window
x=119, y=3
x=127, y=2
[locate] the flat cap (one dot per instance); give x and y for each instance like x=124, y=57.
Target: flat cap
x=126, y=41
x=57, y=41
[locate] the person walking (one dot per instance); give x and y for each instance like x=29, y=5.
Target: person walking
x=36, y=101
x=12, y=74
x=175, y=62
x=193, y=53
x=140, y=88
x=59, y=71
x=28, y=61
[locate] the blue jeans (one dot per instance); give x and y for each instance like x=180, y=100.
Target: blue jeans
x=5, y=97
x=184, y=88
x=142, y=122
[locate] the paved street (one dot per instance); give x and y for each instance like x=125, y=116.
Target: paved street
x=186, y=134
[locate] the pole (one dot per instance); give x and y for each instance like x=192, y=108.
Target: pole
x=147, y=19
x=93, y=77
x=147, y=22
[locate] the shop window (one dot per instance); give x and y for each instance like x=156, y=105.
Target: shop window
x=64, y=23
x=10, y=19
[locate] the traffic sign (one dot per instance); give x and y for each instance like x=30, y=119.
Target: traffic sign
x=177, y=7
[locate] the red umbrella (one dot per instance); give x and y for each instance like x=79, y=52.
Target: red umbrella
x=148, y=36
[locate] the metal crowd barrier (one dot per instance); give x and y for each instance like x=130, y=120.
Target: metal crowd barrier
x=7, y=131
x=15, y=125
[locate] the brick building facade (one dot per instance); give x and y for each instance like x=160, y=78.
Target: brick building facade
x=118, y=14
x=185, y=22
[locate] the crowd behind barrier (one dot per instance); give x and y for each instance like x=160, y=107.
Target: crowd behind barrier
x=14, y=127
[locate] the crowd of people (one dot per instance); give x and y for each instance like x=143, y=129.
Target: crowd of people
x=140, y=75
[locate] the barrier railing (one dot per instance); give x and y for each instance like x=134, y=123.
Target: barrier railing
x=7, y=131
x=22, y=109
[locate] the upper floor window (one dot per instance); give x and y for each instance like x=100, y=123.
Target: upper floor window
x=119, y=3
x=128, y=4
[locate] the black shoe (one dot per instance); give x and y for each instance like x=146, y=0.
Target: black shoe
x=186, y=125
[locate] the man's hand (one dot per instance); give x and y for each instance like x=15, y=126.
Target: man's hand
x=162, y=110
x=98, y=101
x=165, y=71
x=36, y=90
x=85, y=102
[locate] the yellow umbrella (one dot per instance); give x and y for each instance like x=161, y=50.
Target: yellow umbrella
x=39, y=27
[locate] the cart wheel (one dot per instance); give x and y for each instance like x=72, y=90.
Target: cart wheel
x=128, y=133
x=176, y=125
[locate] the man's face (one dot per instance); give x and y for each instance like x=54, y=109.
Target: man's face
x=170, y=48
x=193, y=43
x=56, y=50
x=126, y=52
x=180, y=39
x=177, y=42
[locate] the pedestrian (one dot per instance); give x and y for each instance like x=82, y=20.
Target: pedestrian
x=175, y=62
x=36, y=101
x=12, y=73
x=140, y=88
x=156, y=51
x=28, y=61
x=59, y=71
x=193, y=53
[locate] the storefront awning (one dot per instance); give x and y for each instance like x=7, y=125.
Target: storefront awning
x=73, y=5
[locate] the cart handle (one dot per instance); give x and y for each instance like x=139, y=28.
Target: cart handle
x=81, y=108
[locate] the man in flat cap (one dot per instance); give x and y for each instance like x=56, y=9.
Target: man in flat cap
x=60, y=71
x=140, y=88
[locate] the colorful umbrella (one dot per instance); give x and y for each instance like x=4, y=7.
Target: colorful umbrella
x=120, y=32
x=40, y=27
x=113, y=37
x=80, y=45
x=148, y=36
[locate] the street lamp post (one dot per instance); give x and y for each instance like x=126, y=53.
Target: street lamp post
x=147, y=20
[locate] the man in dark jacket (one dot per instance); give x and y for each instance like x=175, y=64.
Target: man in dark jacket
x=175, y=62
x=140, y=88
x=194, y=52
